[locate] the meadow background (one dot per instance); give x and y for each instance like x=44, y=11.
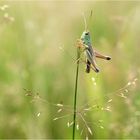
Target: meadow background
x=38, y=53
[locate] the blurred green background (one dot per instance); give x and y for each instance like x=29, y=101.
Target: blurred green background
x=38, y=53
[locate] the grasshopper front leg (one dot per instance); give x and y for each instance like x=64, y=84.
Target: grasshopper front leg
x=81, y=47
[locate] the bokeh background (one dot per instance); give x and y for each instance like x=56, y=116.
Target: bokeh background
x=38, y=65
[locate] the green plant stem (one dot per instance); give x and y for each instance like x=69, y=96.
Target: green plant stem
x=75, y=94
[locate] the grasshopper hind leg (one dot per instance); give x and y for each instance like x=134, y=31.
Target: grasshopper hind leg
x=98, y=55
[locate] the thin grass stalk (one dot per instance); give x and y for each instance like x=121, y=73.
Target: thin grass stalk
x=75, y=94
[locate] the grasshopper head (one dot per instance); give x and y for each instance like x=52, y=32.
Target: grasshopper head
x=86, y=38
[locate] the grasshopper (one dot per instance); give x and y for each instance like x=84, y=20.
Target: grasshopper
x=90, y=53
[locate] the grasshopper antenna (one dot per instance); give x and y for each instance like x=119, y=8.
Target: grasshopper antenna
x=90, y=16
x=85, y=22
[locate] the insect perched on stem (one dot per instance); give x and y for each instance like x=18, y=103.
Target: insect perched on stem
x=91, y=54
